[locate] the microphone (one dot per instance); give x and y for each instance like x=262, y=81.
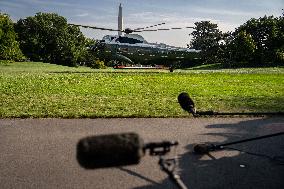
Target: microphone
x=204, y=148
x=116, y=150
x=109, y=150
x=186, y=103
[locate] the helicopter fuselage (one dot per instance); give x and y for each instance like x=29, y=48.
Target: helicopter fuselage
x=134, y=48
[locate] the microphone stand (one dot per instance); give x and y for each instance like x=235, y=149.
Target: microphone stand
x=212, y=113
x=205, y=148
x=167, y=165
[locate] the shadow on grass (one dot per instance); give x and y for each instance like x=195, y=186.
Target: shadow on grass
x=217, y=66
x=235, y=107
x=242, y=106
x=207, y=67
x=232, y=169
x=257, y=104
x=138, y=71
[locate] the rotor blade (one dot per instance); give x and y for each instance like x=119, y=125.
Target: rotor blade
x=147, y=30
x=150, y=26
x=163, y=29
x=93, y=27
x=135, y=30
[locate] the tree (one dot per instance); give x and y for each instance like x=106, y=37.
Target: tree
x=242, y=47
x=267, y=33
x=9, y=47
x=90, y=57
x=206, y=38
x=47, y=37
x=279, y=46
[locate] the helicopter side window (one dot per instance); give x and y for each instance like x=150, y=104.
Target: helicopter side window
x=128, y=40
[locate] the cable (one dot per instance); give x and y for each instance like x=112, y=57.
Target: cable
x=277, y=159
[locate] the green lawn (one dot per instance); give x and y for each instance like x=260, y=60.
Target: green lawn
x=46, y=90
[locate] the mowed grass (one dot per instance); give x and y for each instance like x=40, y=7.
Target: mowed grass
x=46, y=90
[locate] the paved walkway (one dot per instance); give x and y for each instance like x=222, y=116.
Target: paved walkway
x=40, y=153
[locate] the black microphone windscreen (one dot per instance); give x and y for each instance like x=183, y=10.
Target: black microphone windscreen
x=186, y=102
x=201, y=149
x=110, y=150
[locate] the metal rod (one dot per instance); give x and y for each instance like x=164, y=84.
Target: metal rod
x=177, y=180
x=168, y=166
x=219, y=146
x=212, y=113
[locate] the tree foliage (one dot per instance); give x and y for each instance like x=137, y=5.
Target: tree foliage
x=268, y=34
x=242, y=47
x=90, y=57
x=47, y=37
x=258, y=42
x=206, y=38
x=9, y=47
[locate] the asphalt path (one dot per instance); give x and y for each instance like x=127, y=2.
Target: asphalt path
x=41, y=153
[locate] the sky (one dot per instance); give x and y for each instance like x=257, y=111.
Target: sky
x=228, y=14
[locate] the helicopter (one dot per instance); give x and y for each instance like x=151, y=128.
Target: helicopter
x=130, y=50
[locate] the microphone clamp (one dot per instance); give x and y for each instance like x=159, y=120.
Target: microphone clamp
x=159, y=148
